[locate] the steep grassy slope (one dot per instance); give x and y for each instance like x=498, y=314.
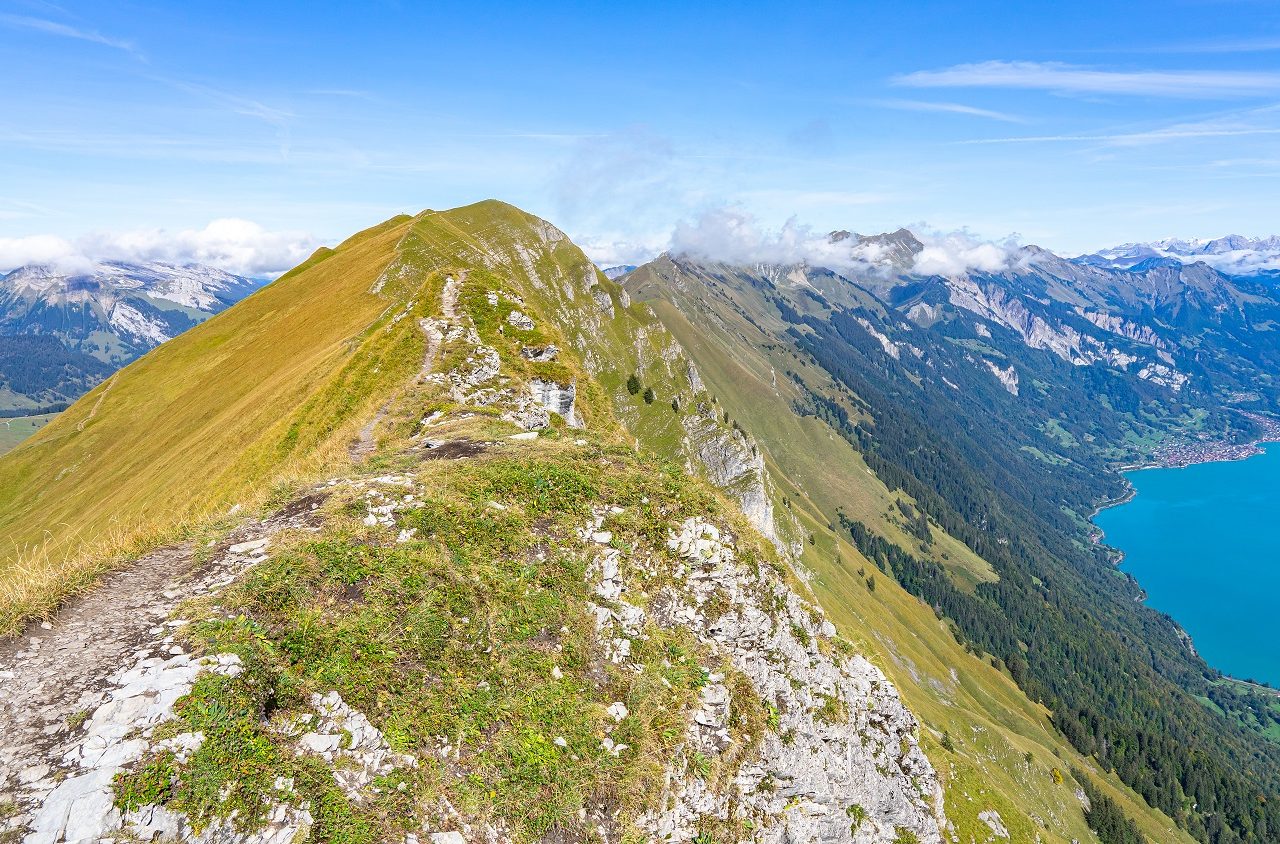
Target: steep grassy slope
x=198, y=424
x=273, y=390
x=986, y=717
x=341, y=352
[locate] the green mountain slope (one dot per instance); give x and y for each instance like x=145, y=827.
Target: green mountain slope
x=359, y=360
x=884, y=400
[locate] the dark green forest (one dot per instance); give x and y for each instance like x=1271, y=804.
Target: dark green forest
x=45, y=371
x=1063, y=621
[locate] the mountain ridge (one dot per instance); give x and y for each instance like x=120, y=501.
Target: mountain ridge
x=544, y=526
x=490, y=330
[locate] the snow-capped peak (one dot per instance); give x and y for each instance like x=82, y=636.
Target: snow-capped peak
x=190, y=285
x=1233, y=253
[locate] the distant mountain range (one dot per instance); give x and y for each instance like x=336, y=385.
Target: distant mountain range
x=1161, y=318
x=999, y=403
x=618, y=271
x=89, y=324
x=1234, y=254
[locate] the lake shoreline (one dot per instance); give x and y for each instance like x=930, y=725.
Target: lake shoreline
x=1205, y=453
x=1180, y=455
x=1184, y=455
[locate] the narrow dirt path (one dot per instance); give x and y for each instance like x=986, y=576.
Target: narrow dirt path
x=57, y=672
x=54, y=670
x=94, y=410
x=365, y=444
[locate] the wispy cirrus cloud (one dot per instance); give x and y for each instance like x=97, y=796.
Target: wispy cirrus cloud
x=1134, y=139
x=1252, y=122
x=1246, y=45
x=946, y=108
x=63, y=30
x=1060, y=78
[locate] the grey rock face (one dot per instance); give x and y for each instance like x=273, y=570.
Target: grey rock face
x=557, y=398
x=540, y=354
x=516, y=319
x=732, y=464
x=841, y=762
x=603, y=300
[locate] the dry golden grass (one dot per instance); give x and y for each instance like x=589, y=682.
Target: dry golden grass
x=193, y=428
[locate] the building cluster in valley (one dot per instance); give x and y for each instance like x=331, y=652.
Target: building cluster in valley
x=1207, y=450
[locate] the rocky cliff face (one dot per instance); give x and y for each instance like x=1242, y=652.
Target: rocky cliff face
x=839, y=759
x=732, y=462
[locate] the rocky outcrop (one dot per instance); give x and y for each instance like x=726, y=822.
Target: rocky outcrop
x=838, y=757
x=1123, y=328
x=81, y=806
x=890, y=348
x=1158, y=373
x=556, y=398
x=733, y=463
x=1007, y=376
x=516, y=319
x=540, y=354
x=603, y=301
x=343, y=737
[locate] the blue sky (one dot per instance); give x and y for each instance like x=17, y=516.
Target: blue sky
x=246, y=133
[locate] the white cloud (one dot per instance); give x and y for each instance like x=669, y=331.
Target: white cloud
x=238, y=246
x=1075, y=79
x=1241, y=261
x=1181, y=132
x=957, y=253
x=733, y=236
x=43, y=249
x=946, y=108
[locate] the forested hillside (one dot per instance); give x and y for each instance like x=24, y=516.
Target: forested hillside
x=38, y=374
x=1012, y=467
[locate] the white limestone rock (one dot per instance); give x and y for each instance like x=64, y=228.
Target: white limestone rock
x=356, y=749
x=842, y=737
x=517, y=319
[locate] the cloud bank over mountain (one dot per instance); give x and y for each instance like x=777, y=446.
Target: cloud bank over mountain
x=735, y=236
x=235, y=245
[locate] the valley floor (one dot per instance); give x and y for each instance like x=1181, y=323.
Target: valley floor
x=14, y=431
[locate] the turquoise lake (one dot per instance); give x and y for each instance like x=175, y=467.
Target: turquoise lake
x=1204, y=542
